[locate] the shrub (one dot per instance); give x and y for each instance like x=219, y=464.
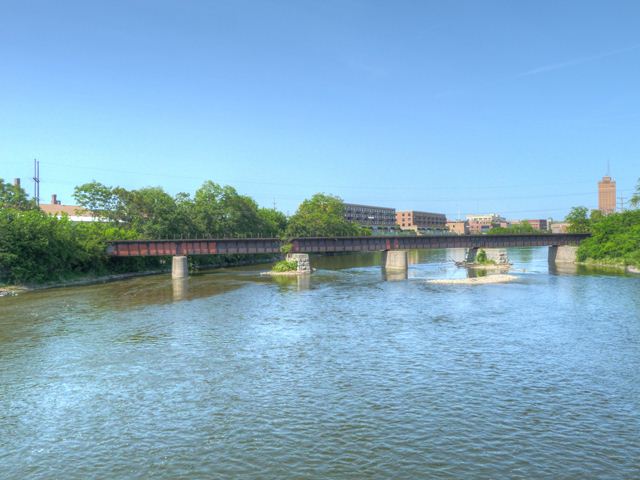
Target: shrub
x=285, y=266
x=482, y=258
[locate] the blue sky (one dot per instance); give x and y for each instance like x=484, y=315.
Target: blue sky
x=456, y=106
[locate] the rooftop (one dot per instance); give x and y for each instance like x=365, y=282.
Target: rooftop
x=71, y=210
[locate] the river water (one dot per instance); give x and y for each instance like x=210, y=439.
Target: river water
x=341, y=375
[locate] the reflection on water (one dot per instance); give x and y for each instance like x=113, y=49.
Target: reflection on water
x=180, y=288
x=572, y=269
x=340, y=374
x=394, y=275
x=476, y=272
x=295, y=282
x=563, y=268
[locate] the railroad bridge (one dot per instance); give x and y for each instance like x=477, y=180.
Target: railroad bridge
x=562, y=246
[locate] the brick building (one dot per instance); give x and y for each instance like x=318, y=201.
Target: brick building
x=459, y=227
x=607, y=195
x=421, y=221
x=485, y=222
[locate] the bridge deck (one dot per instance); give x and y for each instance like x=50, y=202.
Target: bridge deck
x=228, y=246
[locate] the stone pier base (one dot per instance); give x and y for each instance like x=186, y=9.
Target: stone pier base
x=304, y=264
x=179, y=267
x=470, y=256
x=562, y=254
x=395, y=260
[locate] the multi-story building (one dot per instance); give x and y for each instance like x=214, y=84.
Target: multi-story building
x=484, y=223
x=559, y=227
x=607, y=195
x=369, y=216
x=459, y=227
x=421, y=221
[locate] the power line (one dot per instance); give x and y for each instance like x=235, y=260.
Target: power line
x=36, y=181
x=285, y=184
x=384, y=198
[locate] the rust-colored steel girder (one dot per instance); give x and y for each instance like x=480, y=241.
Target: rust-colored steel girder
x=235, y=246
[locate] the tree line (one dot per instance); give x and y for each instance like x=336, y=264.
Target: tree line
x=36, y=247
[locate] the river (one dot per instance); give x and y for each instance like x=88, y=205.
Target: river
x=341, y=375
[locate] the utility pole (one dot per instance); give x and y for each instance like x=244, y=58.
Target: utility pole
x=621, y=200
x=36, y=181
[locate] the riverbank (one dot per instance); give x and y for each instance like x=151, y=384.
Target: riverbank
x=498, y=278
x=13, y=290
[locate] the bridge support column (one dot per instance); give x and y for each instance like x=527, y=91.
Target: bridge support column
x=470, y=256
x=179, y=267
x=562, y=254
x=304, y=264
x=395, y=260
x=180, y=287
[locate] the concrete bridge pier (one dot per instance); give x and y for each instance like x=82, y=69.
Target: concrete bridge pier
x=562, y=254
x=179, y=267
x=395, y=260
x=470, y=256
x=180, y=288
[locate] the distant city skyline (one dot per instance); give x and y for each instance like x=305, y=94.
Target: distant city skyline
x=463, y=108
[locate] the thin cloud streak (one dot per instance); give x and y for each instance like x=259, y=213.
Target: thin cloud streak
x=577, y=61
x=536, y=71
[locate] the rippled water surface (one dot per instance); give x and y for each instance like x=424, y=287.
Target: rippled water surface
x=347, y=374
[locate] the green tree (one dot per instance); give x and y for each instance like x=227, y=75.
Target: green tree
x=99, y=199
x=221, y=212
x=184, y=213
x=523, y=227
x=274, y=222
x=151, y=211
x=323, y=216
x=578, y=220
x=12, y=196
